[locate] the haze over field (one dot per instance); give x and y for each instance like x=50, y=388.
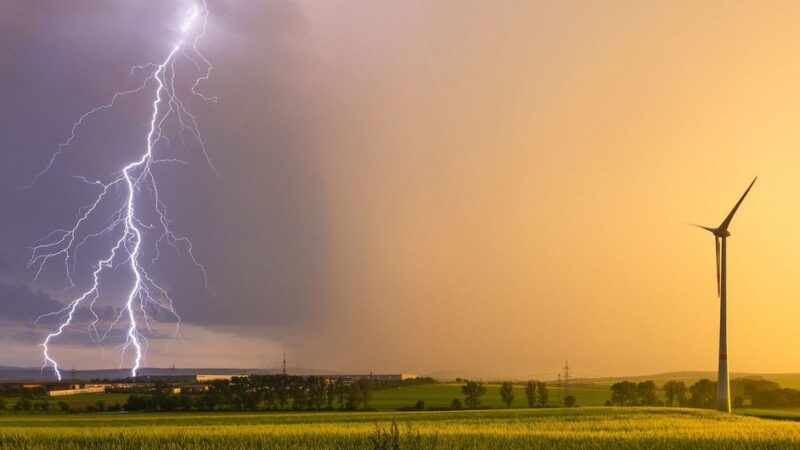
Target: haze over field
x=436, y=185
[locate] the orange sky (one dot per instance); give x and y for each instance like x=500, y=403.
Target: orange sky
x=507, y=183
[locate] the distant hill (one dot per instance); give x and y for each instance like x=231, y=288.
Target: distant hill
x=790, y=380
x=37, y=374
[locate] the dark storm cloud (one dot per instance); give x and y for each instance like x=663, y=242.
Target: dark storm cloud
x=5, y=265
x=19, y=303
x=258, y=227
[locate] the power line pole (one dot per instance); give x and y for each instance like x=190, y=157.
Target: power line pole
x=566, y=379
x=284, y=363
x=560, y=392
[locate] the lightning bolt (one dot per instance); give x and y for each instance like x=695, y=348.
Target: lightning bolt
x=125, y=230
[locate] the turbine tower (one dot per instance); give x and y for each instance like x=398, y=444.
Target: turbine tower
x=721, y=234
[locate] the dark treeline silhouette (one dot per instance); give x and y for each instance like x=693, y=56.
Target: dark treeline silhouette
x=266, y=392
x=763, y=394
x=473, y=391
x=507, y=393
x=536, y=394
x=626, y=393
x=37, y=392
x=28, y=399
x=703, y=393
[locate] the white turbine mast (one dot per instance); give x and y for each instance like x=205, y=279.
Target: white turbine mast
x=721, y=235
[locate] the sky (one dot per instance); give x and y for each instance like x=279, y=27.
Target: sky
x=470, y=187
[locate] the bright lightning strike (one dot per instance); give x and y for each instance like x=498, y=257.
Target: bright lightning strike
x=129, y=194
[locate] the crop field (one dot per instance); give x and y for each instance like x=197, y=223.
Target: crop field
x=441, y=395
x=434, y=395
x=560, y=428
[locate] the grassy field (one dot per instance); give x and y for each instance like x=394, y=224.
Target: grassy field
x=434, y=396
x=78, y=401
x=441, y=395
x=596, y=428
x=778, y=413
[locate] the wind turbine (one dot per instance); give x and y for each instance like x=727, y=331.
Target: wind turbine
x=721, y=234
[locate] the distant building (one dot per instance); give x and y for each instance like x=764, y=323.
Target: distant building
x=82, y=389
x=194, y=388
x=56, y=389
x=376, y=377
x=203, y=378
x=166, y=378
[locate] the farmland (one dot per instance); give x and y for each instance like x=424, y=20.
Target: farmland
x=515, y=428
x=589, y=426
x=434, y=395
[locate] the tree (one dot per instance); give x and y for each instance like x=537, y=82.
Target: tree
x=64, y=406
x=330, y=393
x=299, y=395
x=780, y=398
x=186, y=402
x=623, y=393
x=675, y=391
x=456, y=404
x=752, y=387
x=544, y=396
x=211, y=400
x=703, y=393
x=282, y=389
x=352, y=397
x=646, y=393
x=364, y=386
x=507, y=393
x=340, y=392
x=473, y=391
x=316, y=391
x=569, y=401
x=530, y=393
x=23, y=404
x=135, y=403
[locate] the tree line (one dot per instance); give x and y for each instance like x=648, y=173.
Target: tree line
x=267, y=392
x=536, y=394
x=700, y=394
x=703, y=394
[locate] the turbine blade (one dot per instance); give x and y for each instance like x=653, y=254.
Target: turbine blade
x=716, y=241
x=705, y=228
x=727, y=221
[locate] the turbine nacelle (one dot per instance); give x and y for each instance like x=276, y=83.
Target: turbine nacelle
x=718, y=232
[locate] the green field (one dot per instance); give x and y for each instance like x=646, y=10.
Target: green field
x=777, y=413
x=493, y=429
x=434, y=396
x=441, y=395
x=77, y=402
x=496, y=428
